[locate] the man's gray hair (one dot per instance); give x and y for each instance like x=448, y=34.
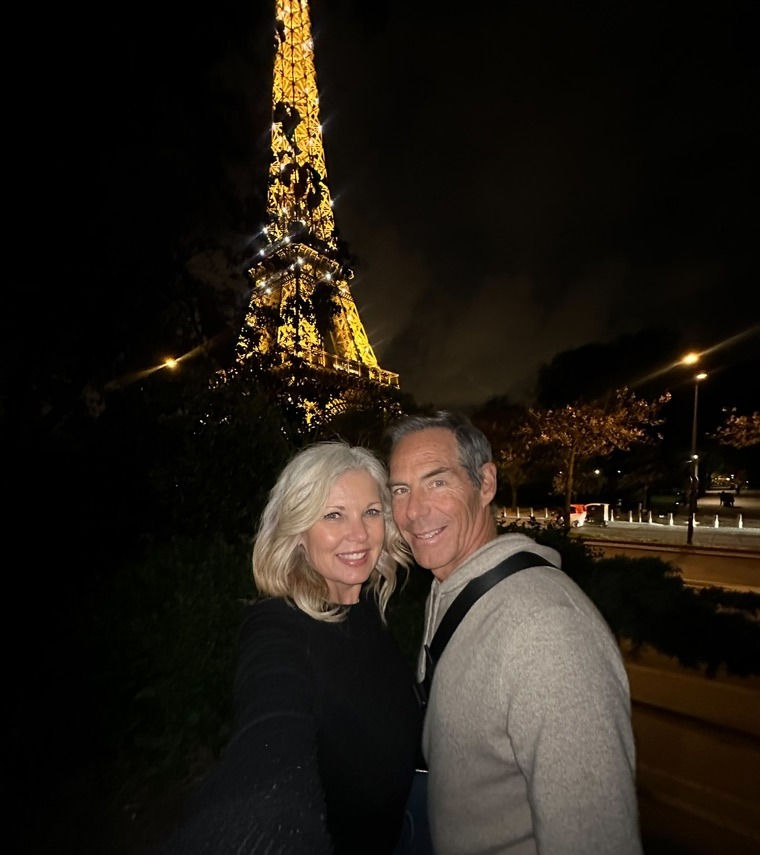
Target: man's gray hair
x=474, y=447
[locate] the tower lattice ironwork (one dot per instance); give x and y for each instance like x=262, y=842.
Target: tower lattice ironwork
x=301, y=310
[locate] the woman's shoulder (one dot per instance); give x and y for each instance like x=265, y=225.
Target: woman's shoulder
x=271, y=614
x=272, y=630
x=270, y=605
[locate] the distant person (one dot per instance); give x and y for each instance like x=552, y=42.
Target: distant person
x=527, y=732
x=326, y=727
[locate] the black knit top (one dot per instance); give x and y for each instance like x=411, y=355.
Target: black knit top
x=325, y=737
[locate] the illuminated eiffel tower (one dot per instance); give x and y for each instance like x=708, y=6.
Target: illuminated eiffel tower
x=302, y=316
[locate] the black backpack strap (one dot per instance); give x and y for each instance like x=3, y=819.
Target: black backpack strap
x=473, y=591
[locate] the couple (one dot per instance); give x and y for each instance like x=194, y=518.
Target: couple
x=527, y=731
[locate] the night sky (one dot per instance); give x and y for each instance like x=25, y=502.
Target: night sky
x=515, y=179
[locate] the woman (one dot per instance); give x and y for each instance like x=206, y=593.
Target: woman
x=327, y=726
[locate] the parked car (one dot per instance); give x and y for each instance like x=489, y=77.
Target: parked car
x=597, y=513
x=577, y=515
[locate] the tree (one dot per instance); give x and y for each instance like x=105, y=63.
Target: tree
x=577, y=433
x=311, y=400
x=218, y=451
x=363, y=419
x=739, y=431
x=645, y=469
x=513, y=438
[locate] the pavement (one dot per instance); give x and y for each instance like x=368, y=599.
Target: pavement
x=714, y=526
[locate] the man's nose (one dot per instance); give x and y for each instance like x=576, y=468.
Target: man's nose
x=415, y=505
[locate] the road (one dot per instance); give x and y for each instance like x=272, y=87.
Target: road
x=698, y=755
x=698, y=785
x=730, y=568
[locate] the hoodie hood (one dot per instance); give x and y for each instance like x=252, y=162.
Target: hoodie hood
x=443, y=594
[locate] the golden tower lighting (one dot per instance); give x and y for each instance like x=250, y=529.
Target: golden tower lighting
x=301, y=309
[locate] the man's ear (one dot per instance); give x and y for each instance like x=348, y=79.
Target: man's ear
x=488, y=483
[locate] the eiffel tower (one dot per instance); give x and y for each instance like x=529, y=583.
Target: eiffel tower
x=302, y=316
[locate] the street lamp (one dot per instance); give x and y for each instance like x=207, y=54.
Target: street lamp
x=694, y=472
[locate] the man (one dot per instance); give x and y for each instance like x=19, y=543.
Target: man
x=527, y=732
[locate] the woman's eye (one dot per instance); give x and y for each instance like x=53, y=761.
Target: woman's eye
x=332, y=515
x=374, y=512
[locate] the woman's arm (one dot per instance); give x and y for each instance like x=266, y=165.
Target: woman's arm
x=265, y=794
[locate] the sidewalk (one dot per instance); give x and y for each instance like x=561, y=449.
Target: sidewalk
x=745, y=514
x=706, y=534
x=732, y=528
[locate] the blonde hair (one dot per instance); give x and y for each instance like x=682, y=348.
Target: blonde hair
x=296, y=502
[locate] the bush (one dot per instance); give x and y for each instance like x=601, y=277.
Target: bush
x=166, y=635
x=645, y=601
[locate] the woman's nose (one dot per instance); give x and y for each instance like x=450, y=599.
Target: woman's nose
x=358, y=529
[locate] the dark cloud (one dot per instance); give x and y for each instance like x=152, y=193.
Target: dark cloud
x=535, y=176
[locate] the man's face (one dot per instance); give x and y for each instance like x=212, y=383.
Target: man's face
x=442, y=515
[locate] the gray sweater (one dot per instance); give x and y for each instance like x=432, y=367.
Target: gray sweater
x=528, y=730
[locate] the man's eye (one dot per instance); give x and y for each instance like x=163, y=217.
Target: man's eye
x=398, y=491
x=439, y=482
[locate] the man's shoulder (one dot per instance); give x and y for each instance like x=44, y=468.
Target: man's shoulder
x=507, y=545
x=549, y=598
x=493, y=553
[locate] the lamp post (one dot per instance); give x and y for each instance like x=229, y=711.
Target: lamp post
x=694, y=470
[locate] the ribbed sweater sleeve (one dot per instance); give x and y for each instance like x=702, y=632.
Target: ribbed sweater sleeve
x=265, y=794
x=324, y=740
x=568, y=719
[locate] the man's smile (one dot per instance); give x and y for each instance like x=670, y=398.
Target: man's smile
x=427, y=535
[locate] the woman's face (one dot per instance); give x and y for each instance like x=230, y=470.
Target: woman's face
x=344, y=545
